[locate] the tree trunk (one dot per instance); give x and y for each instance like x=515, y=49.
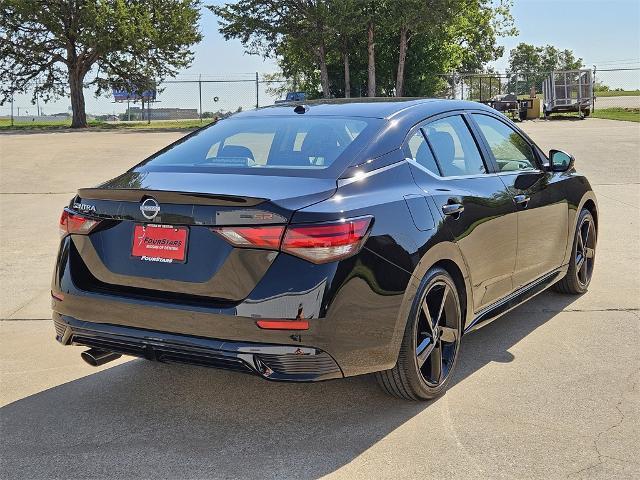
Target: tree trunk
x=79, y=119
x=324, y=74
x=371, y=87
x=347, y=76
x=401, y=61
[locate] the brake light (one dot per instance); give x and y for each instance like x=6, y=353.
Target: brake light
x=326, y=242
x=74, y=223
x=318, y=243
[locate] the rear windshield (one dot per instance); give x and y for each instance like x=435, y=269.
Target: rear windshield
x=260, y=143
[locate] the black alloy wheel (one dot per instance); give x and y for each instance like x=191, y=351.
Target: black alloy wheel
x=583, y=256
x=431, y=342
x=437, y=333
x=585, y=251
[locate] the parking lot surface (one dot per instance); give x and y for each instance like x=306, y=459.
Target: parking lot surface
x=548, y=391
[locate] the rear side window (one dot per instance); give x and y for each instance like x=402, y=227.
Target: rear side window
x=511, y=151
x=418, y=149
x=454, y=147
x=311, y=143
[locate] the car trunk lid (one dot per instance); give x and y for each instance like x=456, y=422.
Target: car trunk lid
x=188, y=206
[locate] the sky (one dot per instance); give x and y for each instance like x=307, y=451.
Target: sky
x=605, y=33
x=599, y=31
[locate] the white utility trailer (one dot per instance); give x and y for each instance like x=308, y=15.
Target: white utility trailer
x=568, y=91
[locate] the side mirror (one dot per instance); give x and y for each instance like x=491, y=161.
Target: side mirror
x=560, y=161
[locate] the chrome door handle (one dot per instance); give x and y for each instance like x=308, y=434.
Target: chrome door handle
x=521, y=200
x=452, y=209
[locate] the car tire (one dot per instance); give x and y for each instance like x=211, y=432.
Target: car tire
x=431, y=341
x=583, y=251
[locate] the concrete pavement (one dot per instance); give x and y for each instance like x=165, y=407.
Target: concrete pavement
x=548, y=391
x=632, y=101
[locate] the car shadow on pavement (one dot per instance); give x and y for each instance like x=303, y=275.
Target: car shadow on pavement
x=143, y=419
x=563, y=118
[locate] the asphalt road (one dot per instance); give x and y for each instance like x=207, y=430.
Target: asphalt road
x=548, y=391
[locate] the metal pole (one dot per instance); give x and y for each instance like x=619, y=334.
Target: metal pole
x=200, y=94
x=257, y=92
x=593, y=93
x=12, y=109
x=453, y=86
x=37, y=99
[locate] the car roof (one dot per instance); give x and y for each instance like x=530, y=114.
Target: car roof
x=375, y=107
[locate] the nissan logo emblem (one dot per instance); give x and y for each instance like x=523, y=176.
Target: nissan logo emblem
x=150, y=208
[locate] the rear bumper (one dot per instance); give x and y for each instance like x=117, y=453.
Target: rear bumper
x=272, y=362
x=352, y=307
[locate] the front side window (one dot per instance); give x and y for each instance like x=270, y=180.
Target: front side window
x=302, y=143
x=510, y=149
x=454, y=147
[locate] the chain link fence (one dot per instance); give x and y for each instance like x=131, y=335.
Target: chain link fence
x=613, y=88
x=200, y=97
x=617, y=88
x=194, y=98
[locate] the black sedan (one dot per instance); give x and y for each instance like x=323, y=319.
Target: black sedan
x=315, y=241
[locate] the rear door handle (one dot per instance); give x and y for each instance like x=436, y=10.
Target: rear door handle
x=452, y=209
x=522, y=200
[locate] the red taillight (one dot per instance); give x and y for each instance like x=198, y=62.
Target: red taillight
x=73, y=223
x=318, y=243
x=326, y=242
x=254, y=237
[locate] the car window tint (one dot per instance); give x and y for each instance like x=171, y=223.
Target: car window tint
x=418, y=149
x=255, y=145
x=277, y=142
x=454, y=147
x=509, y=148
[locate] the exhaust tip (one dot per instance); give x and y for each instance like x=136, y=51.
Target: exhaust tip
x=96, y=357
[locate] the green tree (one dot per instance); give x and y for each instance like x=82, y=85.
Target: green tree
x=126, y=43
x=389, y=47
x=531, y=64
x=346, y=19
x=274, y=27
x=467, y=29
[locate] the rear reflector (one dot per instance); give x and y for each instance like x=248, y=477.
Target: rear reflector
x=57, y=295
x=74, y=223
x=283, y=324
x=317, y=243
